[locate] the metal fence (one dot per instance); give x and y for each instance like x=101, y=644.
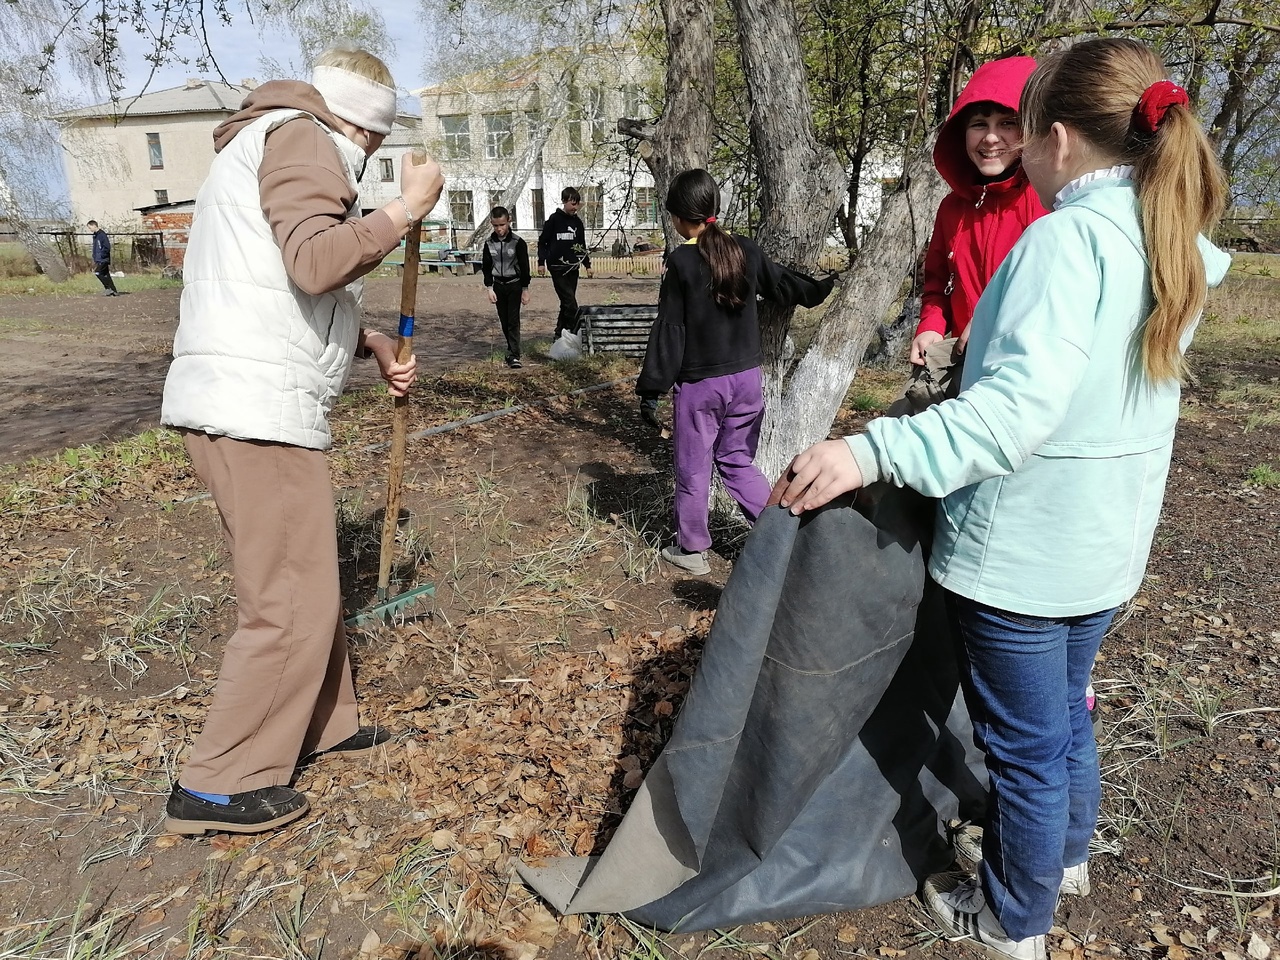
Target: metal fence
x=1252, y=234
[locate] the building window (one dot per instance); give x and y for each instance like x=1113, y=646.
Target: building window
x=388, y=168
x=495, y=200
x=457, y=137
x=646, y=200
x=539, y=209
x=154, y=151
x=461, y=208
x=586, y=118
x=497, y=136
x=632, y=101
x=573, y=125
x=162, y=196
x=592, y=210
x=595, y=114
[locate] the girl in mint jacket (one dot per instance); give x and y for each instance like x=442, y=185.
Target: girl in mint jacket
x=1051, y=463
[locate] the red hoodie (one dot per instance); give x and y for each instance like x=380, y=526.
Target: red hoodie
x=977, y=225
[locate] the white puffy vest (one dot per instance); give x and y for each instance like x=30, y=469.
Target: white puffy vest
x=255, y=357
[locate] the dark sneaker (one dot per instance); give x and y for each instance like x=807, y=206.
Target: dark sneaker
x=514, y=363
x=957, y=903
x=358, y=744
x=251, y=812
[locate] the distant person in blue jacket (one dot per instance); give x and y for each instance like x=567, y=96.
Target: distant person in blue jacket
x=1051, y=463
x=102, y=258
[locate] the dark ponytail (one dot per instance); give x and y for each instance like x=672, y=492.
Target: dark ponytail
x=694, y=196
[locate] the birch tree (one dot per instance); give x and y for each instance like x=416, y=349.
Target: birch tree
x=316, y=25
x=801, y=185
x=553, y=48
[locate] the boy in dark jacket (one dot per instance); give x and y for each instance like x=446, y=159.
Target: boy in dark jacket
x=102, y=258
x=562, y=249
x=505, y=262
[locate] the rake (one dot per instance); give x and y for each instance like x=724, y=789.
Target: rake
x=385, y=607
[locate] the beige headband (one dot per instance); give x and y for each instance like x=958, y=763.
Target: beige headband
x=356, y=99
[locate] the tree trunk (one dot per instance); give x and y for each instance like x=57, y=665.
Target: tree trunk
x=681, y=139
x=817, y=388
x=45, y=256
x=801, y=183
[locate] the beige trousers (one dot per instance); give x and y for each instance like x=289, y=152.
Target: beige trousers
x=285, y=687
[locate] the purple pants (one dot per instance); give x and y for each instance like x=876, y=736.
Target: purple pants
x=717, y=420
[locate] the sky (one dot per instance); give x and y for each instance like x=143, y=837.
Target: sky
x=239, y=46
x=238, y=49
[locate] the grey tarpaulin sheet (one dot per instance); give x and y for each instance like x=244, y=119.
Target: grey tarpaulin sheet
x=822, y=746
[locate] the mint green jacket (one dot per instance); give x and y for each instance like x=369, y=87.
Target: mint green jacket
x=1051, y=463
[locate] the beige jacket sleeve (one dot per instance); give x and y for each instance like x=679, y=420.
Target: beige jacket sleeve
x=305, y=195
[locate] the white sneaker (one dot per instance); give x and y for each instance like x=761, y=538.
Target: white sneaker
x=694, y=563
x=1075, y=881
x=966, y=841
x=956, y=901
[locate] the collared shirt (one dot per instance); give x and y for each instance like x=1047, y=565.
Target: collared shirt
x=1122, y=171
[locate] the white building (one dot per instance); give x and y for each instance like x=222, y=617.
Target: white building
x=127, y=159
x=143, y=152
x=381, y=182
x=482, y=126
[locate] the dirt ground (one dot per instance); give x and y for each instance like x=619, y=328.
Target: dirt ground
x=86, y=369
x=531, y=695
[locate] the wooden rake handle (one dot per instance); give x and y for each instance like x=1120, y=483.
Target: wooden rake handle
x=400, y=414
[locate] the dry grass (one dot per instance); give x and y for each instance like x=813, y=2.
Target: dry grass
x=1243, y=314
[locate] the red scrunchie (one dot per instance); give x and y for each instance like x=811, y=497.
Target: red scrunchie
x=1156, y=101
x=710, y=220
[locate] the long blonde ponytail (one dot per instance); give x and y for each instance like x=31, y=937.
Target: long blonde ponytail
x=1094, y=87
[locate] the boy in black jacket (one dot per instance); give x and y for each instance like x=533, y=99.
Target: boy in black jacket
x=505, y=262
x=562, y=248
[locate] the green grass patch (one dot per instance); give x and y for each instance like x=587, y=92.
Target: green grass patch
x=1242, y=315
x=83, y=284
x=874, y=389
x=21, y=325
x=152, y=464
x=1265, y=475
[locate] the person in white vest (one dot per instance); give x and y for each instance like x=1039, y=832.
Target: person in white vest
x=268, y=328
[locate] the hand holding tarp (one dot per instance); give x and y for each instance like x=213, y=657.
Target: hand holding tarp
x=816, y=477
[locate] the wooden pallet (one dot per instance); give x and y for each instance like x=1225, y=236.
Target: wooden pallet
x=620, y=328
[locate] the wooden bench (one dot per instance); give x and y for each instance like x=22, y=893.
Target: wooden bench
x=619, y=328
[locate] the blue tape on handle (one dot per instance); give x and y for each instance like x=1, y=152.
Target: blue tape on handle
x=406, y=325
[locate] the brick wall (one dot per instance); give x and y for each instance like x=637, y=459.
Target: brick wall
x=175, y=227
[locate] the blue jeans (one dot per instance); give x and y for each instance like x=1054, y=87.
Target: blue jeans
x=1024, y=681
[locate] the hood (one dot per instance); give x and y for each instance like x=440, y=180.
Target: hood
x=1000, y=81
x=275, y=95
x=1117, y=201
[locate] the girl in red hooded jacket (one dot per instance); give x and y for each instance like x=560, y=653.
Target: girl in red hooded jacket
x=991, y=202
